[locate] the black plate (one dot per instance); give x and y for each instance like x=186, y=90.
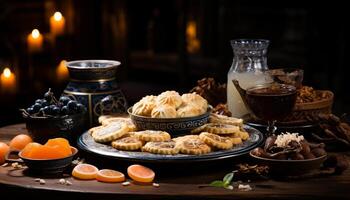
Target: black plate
x=86, y=143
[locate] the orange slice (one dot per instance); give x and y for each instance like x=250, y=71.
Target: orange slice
x=62, y=143
x=110, y=176
x=141, y=173
x=85, y=172
x=20, y=141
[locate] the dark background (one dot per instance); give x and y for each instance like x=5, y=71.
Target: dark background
x=149, y=38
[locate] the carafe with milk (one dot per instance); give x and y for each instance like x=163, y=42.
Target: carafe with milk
x=249, y=63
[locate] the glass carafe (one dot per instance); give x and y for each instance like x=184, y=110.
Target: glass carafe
x=249, y=62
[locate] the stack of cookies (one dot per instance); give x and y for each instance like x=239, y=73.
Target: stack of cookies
x=221, y=133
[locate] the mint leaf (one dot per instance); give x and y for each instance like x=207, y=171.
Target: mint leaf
x=217, y=184
x=228, y=178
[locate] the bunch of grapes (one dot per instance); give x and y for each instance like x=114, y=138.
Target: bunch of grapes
x=50, y=106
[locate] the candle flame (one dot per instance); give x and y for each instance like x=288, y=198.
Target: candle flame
x=57, y=16
x=7, y=72
x=35, y=33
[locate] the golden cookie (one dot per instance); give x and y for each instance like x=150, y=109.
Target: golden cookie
x=216, y=140
x=131, y=125
x=152, y=136
x=199, y=129
x=192, y=145
x=164, y=111
x=110, y=132
x=177, y=139
x=91, y=130
x=143, y=108
x=243, y=134
x=195, y=99
x=222, y=119
x=236, y=140
x=168, y=147
x=171, y=98
x=128, y=143
x=221, y=128
x=189, y=110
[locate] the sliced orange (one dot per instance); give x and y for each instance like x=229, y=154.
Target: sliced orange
x=110, y=176
x=20, y=141
x=62, y=143
x=141, y=173
x=85, y=172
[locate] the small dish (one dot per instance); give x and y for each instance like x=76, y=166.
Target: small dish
x=49, y=166
x=175, y=126
x=290, y=167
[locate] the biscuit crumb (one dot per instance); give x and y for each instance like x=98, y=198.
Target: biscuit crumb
x=5, y=165
x=37, y=180
x=68, y=183
x=42, y=181
x=243, y=187
x=126, y=183
x=155, y=184
x=62, y=181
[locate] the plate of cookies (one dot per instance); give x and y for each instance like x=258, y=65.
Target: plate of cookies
x=220, y=137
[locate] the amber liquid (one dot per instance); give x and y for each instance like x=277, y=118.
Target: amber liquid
x=271, y=102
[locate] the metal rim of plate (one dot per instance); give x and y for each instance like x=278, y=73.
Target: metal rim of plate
x=86, y=143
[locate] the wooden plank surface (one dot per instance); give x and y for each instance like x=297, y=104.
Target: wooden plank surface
x=172, y=186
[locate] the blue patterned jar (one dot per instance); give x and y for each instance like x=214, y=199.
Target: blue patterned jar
x=93, y=83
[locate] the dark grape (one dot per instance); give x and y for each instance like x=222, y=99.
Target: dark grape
x=64, y=100
x=44, y=103
x=36, y=107
x=39, y=101
x=72, y=105
x=47, y=110
x=30, y=110
x=64, y=110
x=56, y=110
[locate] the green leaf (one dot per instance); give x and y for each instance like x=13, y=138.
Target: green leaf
x=217, y=184
x=228, y=178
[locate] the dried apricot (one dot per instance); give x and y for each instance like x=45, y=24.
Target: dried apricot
x=26, y=152
x=85, y=171
x=53, y=149
x=141, y=173
x=110, y=176
x=62, y=143
x=4, y=149
x=20, y=141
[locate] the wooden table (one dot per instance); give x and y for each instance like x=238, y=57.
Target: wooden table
x=172, y=186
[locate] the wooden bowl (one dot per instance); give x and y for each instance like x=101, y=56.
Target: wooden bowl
x=290, y=167
x=307, y=112
x=49, y=166
x=175, y=126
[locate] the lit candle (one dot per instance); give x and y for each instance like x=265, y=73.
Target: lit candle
x=8, y=81
x=35, y=41
x=57, y=23
x=62, y=71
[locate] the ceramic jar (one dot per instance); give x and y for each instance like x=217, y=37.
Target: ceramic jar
x=94, y=84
